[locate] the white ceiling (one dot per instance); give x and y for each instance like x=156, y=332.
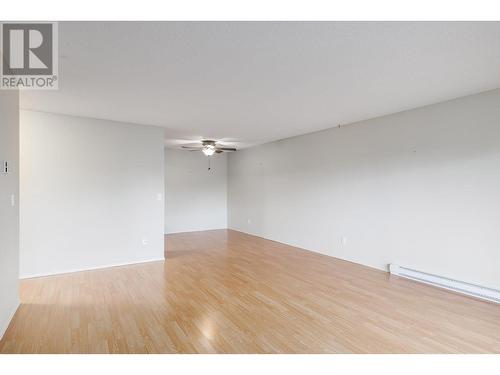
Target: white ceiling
x=254, y=82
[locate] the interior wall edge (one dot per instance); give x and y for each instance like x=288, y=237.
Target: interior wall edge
x=5, y=325
x=102, y=267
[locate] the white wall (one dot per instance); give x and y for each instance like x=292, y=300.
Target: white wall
x=196, y=198
x=9, y=213
x=419, y=188
x=91, y=191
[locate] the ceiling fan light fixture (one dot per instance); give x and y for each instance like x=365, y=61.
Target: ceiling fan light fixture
x=208, y=150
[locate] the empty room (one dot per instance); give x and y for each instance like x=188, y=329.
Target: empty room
x=269, y=187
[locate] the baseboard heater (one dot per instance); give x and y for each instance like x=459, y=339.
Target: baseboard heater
x=446, y=283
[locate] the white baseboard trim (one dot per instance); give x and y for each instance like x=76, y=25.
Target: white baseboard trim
x=195, y=230
x=458, y=286
x=345, y=259
x=5, y=325
x=31, y=276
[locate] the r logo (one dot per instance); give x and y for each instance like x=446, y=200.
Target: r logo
x=27, y=49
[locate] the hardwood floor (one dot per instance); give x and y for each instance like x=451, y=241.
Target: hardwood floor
x=228, y=292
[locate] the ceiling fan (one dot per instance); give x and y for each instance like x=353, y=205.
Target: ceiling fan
x=208, y=147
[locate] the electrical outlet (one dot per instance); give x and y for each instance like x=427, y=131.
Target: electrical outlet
x=343, y=240
x=249, y=221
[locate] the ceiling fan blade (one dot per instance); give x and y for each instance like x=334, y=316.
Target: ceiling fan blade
x=196, y=144
x=226, y=148
x=193, y=147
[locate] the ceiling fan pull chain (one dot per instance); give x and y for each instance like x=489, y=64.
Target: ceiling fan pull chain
x=209, y=163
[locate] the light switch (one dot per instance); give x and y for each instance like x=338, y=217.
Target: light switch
x=5, y=167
